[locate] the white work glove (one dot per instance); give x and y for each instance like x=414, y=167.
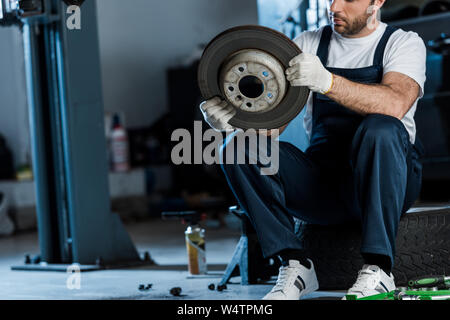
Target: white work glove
x=217, y=113
x=306, y=70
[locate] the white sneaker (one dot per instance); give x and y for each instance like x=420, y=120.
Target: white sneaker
x=294, y=281
x=372, y=280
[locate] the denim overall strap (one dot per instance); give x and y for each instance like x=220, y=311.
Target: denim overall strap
x=325, y=39
x=379, y=53
x=322, y=51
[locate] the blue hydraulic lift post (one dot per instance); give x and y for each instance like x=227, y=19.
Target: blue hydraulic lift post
x=59, y=179
x=96, y=232
x=70, y=165
x=45, y=219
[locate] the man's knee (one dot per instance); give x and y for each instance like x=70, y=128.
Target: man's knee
x=234, y=151
x=378, y=128
x=240, y=147
x=229, y=149
x=247, y=149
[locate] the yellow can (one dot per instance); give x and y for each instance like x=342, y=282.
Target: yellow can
x=195, y=245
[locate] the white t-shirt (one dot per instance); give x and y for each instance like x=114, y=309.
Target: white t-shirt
x=405, y=53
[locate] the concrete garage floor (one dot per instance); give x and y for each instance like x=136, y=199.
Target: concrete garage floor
x=165, y=242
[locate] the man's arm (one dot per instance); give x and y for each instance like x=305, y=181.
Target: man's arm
x=394, y=96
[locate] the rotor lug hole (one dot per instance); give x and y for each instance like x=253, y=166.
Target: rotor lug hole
x=241, y=69
x=231, y=89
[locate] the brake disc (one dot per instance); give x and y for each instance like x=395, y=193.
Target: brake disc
x=245, y=66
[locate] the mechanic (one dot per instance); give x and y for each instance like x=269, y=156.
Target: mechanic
x=362, y=164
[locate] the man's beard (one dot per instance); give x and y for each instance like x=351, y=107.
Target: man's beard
x=355, y=26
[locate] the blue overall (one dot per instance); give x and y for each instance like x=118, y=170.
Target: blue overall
x=357, y=168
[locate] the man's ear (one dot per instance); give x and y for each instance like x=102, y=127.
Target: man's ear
x=379, y=3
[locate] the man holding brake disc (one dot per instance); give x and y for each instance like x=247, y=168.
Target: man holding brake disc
x=363, y=160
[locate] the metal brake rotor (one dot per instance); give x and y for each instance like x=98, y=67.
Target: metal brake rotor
x=245, y=66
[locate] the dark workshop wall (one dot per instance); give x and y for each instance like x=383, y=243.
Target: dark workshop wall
x=140, y=39
x=13, y=103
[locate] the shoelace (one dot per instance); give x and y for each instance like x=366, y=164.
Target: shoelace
x=283, y=276
x=364, y=276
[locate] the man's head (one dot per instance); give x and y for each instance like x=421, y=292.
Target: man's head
x=351, y=18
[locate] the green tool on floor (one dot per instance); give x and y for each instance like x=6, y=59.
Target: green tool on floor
x=406, y=295
x=441, y=282
x=423, y=288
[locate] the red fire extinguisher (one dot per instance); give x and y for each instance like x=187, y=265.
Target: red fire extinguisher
x=119, y=146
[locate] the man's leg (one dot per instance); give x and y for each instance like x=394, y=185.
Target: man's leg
x=300, y=188
x=379, y=159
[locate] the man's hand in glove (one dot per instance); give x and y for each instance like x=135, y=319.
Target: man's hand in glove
x=306, y=70
x=217, y=113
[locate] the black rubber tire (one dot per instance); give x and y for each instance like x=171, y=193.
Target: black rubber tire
x=252, y=37
x=423, y=248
